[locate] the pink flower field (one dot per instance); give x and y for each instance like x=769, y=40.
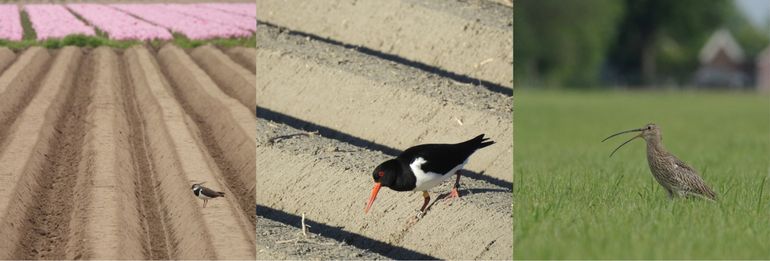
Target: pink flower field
x=119, y=25
x=10, y=23
x=193, y=27
x=54, y=21
x=247, y=9
x=216, y=15
x=131, y=21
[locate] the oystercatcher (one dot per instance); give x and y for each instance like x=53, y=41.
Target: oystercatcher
x=205, y=193
x=422, y=167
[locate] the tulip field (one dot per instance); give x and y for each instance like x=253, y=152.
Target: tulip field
x=119, y=24
x=10, y=28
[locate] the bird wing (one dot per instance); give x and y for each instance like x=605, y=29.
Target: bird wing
x=692, y=180
x=211, y=193
x=441, y=158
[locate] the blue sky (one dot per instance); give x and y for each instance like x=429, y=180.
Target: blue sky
x=757, y=11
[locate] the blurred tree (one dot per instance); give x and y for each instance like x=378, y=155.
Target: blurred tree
x=561, y=42
x=626, y=42
x=665, y=35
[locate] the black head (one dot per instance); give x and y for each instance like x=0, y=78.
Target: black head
x=384, y=175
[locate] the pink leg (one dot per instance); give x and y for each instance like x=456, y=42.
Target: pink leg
x=454, y=193
x=427, y=199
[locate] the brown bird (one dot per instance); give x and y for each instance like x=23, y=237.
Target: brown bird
x=675, y=176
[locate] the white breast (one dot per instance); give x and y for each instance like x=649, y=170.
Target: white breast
x=199, y=193
x=428, y=180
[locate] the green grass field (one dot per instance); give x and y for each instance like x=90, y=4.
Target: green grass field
x=573, y=202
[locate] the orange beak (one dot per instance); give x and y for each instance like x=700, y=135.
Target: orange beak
x=375, y=190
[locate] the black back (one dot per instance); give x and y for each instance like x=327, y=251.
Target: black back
x=441, y=158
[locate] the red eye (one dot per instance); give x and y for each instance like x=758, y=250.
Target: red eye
x=381, y=173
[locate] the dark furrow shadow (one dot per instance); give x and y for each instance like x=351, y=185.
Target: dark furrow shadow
x=493, y=87
x=330, y=133
x=336, y=233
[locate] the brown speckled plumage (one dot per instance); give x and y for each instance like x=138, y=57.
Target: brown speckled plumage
x=679, y=179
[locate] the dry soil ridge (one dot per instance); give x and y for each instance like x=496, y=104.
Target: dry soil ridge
x=172, y=132
x=388, y=103
x=330, y=182
x=70, y=159
x=24, y=160
x=235, y=81
x=226, y=126
x=246, y=57
x=477, y=42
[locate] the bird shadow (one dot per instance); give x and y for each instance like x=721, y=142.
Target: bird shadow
x=326, y=132
x=339, y=234
x=463, y=193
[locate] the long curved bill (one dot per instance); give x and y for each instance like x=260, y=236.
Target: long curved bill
x=373, y=196
x=616, y=134
x=624, y=143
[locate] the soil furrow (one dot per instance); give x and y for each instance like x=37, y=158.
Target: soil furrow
x=233, y=79
x=6, y=58
x=216, y=232
x=469, y=39
x=394, y=105
x=226, y=127
x=320, y=177
x=47, y=226
x=106, y=223
x=284, y=239
x=19, y=83
x=246, y=57
x=157, y=245
x=26, y=139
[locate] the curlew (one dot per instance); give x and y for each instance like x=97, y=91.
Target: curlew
x=679, y=179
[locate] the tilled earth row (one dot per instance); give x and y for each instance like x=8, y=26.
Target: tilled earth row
x=345, y=85
x=99, y=149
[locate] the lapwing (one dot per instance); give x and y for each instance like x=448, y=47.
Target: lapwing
x=422, y=167
x=205, y=193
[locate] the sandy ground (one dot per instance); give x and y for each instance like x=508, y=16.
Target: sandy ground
x=99, y=152
x=473, y=38
x=345, y=85
x=395, y=105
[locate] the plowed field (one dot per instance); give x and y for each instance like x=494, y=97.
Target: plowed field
x=99, y=149
x=344, y=85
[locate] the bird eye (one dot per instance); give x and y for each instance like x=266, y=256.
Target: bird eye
x=381, y=173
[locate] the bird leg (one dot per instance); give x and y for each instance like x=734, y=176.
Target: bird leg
x=425, y=204
x=454, y=193
x=204, y=202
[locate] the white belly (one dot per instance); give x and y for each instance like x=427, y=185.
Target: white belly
x=428, y=180
x=201, y=196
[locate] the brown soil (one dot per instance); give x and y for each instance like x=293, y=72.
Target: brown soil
x=394, y=105
x=98, y=158
x=342, y=86
x=330, y=181
x=236, y=81
x=6, y=57
x=225, y=125
x=246, y=57
x=472, y=38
